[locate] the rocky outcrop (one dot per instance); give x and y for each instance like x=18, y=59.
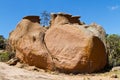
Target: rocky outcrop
x=68, y=45
x=74, y=47
x=28, y=41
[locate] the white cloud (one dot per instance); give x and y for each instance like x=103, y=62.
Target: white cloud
x=114, y=7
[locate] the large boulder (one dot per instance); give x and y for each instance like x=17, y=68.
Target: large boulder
x=28, y=42
x=73, y=47
x=68, y=45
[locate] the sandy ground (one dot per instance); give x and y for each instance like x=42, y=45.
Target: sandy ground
x=13, y=73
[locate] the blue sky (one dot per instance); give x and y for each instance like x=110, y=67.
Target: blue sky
x=104, y=12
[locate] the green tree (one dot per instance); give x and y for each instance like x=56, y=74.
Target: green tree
x=113, y=47
x=45, y=18
x=2, y=42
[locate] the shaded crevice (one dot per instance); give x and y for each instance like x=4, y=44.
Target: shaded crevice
x=49, y=53
x=34, y=39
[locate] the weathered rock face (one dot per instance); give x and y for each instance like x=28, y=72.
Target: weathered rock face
x=28, y=41
x=61, y=19
x=68, y=45
x=98, y=31
x=73, y=47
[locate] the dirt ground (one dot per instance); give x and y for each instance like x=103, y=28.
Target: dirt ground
x=14, y=73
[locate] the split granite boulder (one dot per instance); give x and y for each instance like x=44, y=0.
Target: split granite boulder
x=68, y=45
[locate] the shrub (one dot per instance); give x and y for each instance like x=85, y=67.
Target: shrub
x=113, y=48
x=2, y=42
x=6, y=56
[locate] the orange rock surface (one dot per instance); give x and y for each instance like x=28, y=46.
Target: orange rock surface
x=68, y=45
x=28, y=41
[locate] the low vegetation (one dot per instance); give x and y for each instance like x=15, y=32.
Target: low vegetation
x=2, y=42
x=4, y=56
x=5, y=51
x=113, y=47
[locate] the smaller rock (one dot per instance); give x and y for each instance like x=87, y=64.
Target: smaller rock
x=41, y=70
x=32, y=68
x=13, y=61
x=55, y=72
x=115, y=68
x=114, y=76
x=19, y=65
